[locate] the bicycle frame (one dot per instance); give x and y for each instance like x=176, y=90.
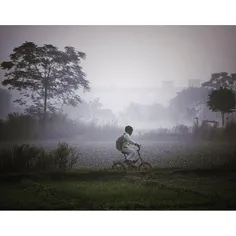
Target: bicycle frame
x=139, y=155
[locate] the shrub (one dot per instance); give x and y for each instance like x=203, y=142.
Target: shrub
x=65, y=157
x=25, y=158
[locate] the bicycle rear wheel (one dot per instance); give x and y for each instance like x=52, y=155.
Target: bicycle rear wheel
x=118, y=166
x=144, y=167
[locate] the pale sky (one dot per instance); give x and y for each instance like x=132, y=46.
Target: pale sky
x=136, y=56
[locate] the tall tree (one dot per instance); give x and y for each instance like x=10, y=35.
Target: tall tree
x=221, y=80
x=222, y=100
x=45, y=75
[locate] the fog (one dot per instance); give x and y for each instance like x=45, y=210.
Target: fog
x=149, y=77
x=134, y=71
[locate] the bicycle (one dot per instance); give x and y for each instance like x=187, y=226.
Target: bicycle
x=126, y=164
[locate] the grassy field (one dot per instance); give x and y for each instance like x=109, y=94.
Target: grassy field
x=185, y=176
x=104, y=190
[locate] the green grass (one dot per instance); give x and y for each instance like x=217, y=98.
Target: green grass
x=188, y=177
x=167, y=189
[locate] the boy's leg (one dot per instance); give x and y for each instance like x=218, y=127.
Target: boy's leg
x=130, y=152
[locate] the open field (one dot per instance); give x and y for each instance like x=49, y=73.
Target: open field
x=171, y=154
x=185, y=176
x=163, y=154
x=103, y=190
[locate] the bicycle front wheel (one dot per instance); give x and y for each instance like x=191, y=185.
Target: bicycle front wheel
x=118, y=166
x=144, y=167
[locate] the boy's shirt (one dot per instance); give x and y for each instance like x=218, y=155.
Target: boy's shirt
x=127, y=141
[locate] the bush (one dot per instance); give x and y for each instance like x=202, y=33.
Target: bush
x=65, y=157
x=25, y=158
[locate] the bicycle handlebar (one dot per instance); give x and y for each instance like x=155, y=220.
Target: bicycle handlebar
x=139, y=146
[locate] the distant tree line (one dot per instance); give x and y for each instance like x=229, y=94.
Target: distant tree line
x=49, y=81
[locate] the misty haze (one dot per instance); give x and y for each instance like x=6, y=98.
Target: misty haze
x=68, y=93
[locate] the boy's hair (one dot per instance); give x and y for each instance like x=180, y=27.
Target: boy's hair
x=128, y=129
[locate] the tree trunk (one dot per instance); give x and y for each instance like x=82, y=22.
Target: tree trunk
x=223, y=119
x=45, y=101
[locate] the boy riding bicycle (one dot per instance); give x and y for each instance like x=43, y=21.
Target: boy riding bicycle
x=124, y=143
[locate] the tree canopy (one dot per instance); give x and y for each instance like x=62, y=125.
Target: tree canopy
x=45, y=75
x=222, y=100
x=221, y=80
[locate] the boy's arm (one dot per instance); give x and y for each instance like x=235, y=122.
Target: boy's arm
x=127, y=137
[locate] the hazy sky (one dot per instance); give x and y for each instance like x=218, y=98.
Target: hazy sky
x=136, y=56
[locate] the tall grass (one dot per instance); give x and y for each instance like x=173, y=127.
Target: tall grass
x=25, y=158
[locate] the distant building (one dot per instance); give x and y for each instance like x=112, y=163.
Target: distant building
x=194, y=83
x=169, y=84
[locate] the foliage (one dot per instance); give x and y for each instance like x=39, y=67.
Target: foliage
x=18, y=126
x=206, y=132
x=95, y=104
x=222, y=100
x=45, y=75
x=25, y=158
x=218, y=81
x=58, y=125
x=187, y=104
x=65, y=157
x=221, y=80
x=25, y=127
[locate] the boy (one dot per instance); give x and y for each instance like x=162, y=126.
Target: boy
x=127, y=142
